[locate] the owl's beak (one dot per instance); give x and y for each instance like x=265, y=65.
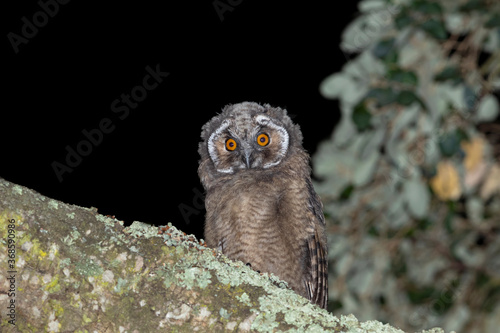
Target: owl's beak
x=247, y=156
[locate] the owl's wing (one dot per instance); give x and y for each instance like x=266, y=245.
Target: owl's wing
x=316, y=282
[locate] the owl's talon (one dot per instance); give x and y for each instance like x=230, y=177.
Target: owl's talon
x=250, y=265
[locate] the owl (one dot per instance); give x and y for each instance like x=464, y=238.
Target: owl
x=261, y=205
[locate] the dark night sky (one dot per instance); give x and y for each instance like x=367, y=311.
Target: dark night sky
x=65, y=77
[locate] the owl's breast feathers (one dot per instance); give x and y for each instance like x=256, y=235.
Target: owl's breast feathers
x=274, y=221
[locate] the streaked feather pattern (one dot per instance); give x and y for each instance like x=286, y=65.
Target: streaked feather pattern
x=261, y=205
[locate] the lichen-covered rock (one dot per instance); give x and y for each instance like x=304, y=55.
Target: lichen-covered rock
x=75, y=270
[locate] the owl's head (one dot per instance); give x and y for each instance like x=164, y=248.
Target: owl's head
x=248, y=136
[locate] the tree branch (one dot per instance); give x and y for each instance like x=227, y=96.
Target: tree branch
x=77, y=270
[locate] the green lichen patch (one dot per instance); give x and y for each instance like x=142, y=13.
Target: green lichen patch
x=53, y=286
x=231, y=277
x=140, y=229
x=244, y=298
x=53, y=204
x=16, y=189
x=87, y=267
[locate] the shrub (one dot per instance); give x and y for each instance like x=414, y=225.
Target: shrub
x=410, y=185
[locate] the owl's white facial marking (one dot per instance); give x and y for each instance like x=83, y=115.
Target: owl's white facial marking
x=265, y=121
x=212, y=149
x=247, y=141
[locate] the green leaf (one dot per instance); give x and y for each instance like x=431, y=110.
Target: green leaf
x=469, y=97
x=403, y=20
x=407, y=97
x=346, y=192
x=372, y=231
x=384, y=48
x=424, y=224
x=449, y=144
x=461, y=135
x=391, y=58
x=472, y=5
x=427, y=7
x=449, y=73
x=435, y=28
x=493, y=22
x=491, y=300
x=474, y=207
x=383, y=96
x=365, y=170
x=488, y=108
x=336, y=85
x=417, y=197
x=448, y=220
x=401, y=76
x=420, y=295
x=345, y=130
x=361, y=117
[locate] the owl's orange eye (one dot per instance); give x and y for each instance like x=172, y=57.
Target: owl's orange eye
x=230, y=144
x=263, y=139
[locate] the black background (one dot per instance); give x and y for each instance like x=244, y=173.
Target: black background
x=64, y=79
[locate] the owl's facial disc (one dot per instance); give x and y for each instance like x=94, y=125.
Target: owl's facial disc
x=214, y=149
x=256, y=143
x=282, y=139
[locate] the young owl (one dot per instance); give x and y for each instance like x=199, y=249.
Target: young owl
x=261, y=205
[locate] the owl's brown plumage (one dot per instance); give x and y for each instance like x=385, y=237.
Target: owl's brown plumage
x=261, y=205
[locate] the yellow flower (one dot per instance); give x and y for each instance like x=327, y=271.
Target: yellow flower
x=473, y=153
x=446, y=183
x=492, y=183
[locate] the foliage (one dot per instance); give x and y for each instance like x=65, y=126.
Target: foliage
x=410, y=186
